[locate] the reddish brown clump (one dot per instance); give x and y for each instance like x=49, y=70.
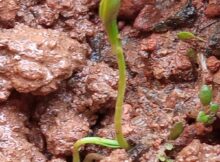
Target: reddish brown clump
x=117, y=155
x=37, y=60
x=148, y=44
x=8, y=11
x=199, y=152
x=213, y=10
x=213, y=64
x=14, y=144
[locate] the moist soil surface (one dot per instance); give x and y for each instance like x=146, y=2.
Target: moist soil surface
x=58, y=79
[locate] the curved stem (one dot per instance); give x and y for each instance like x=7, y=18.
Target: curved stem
x=93, y=156
x=92, y=140
x=113, y=34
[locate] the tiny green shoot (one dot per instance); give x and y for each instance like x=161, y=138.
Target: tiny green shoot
x=205, y=95
x=214, y=107
x=203, y=117
x=162, y=156
x=176, y=131
x=108, y=12
x=169, y=146
x=92, y=140
x=184, y=36
x=207, y=116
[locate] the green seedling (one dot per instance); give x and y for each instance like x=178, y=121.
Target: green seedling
x=164, y=158
x=176, y=131
x=205, y=95
x=108, y=11
x=169, y=146
x=207, y=116
x=162, y=154
x=214, y=107
x=203, y=117
x=92, y=140
x=184, y=35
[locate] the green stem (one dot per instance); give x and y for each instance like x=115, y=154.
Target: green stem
x=113, y=33
x=201, y=39
x=92, y=140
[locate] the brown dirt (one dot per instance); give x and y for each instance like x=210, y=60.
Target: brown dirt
x=58, y=79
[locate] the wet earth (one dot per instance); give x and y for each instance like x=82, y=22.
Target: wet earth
x=58, y=79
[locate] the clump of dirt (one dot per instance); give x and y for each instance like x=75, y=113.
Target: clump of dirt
x=37, y=60
x=14, y=143
x=197, y=151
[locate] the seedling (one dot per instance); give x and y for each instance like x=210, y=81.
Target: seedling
x=169, y=146
x=162, y=156
x=184, y=35
x=176, y=131
x=214, y=107
x=204, y=118
x=205, y=95
x=194, y=55
x=207, y=116
x=108, y=11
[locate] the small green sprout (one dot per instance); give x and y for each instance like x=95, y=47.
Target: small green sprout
x=92, y=140
x=169, y=146
x=203, y=117
x=162, y=153
x=108, y=13
x=205, y=95
x=164, y=158
x=184, y=35
x=207, y=116
x=214, y=107
x=176, y=131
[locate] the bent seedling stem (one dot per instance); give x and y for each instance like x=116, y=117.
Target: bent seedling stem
x=92, y=140
x=108, y=13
